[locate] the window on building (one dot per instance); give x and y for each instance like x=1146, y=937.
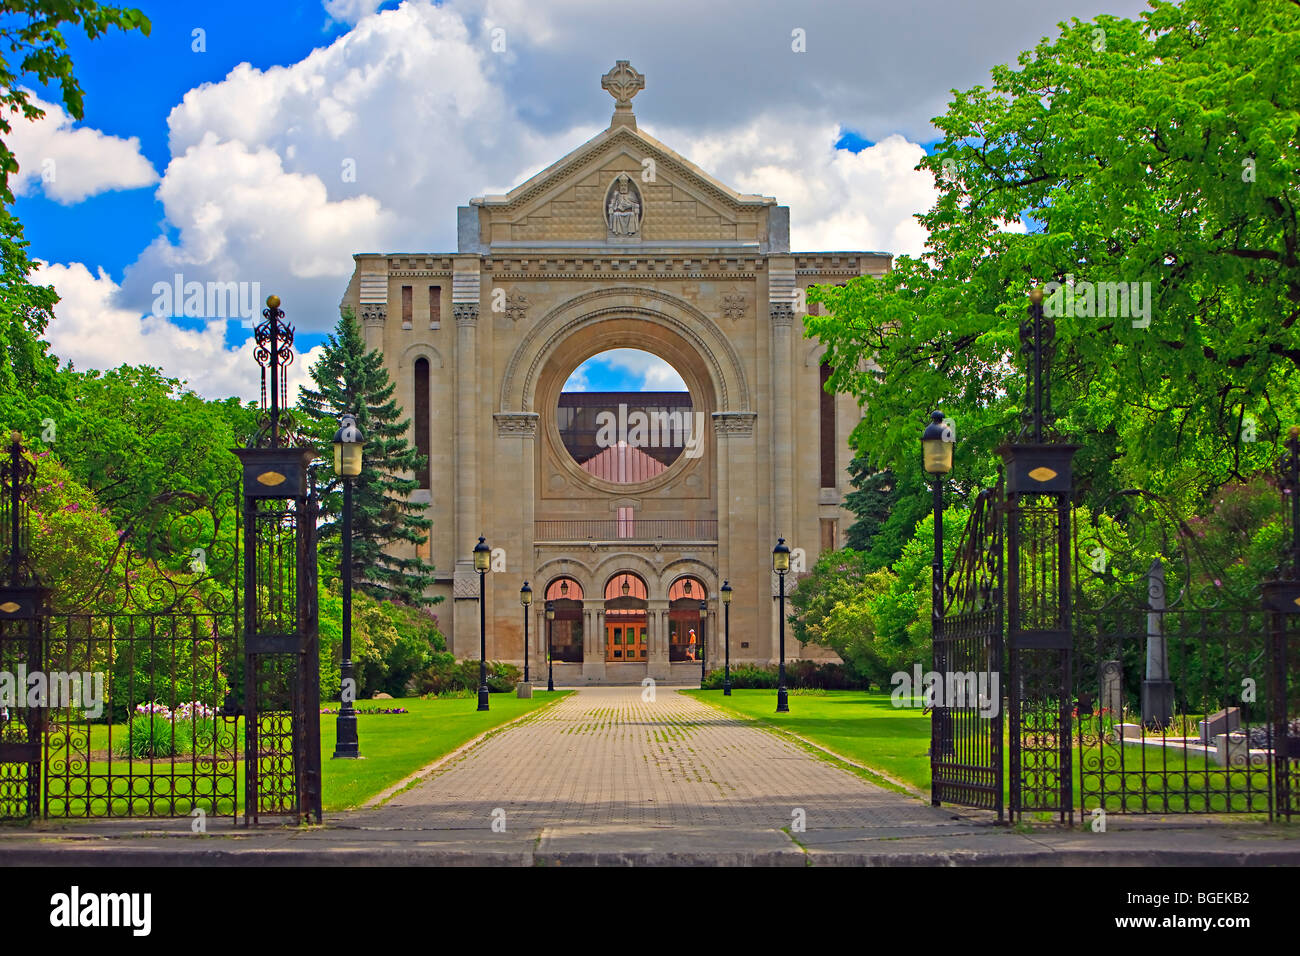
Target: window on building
x=829, y=477
x=422, y=419
x=829, y=528
x=407, y=306
x=625, y=522
x=435, y=306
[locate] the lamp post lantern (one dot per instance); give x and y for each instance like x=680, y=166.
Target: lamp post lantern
x=550, y=664
x=726, y=627
x=526, y=601
x=482, y=560
x=781, y=565
x=348, y=441
x=704, y=613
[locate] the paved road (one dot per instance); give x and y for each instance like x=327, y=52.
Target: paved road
x=604, y=757
x=604, y=777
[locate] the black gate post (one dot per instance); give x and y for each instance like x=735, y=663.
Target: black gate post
x=23, y=606
x=1039, y=494
x=282, y=762
x=1281, y=605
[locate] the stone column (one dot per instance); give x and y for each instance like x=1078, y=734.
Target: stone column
x=593, y=647
x=514, y=451
x=739, y=524
x=658, y=666
x=466, y=474
x=373, y=317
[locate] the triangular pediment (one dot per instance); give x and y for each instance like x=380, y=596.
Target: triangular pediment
x=668, y=199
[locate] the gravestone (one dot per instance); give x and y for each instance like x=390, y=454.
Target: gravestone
x=1222, y=722
x=524, y=689
x=1157, y=689
x=1112, y=688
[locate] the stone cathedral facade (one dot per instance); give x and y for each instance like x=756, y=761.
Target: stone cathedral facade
x=621, y=244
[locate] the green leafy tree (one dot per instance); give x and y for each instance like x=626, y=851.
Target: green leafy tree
x=1158, y=151
x=350, y=379
x=132, y=433
x=33, y=47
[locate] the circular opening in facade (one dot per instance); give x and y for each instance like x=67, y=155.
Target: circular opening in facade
x=625, y=416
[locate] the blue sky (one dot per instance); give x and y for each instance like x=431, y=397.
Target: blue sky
x=224, y=165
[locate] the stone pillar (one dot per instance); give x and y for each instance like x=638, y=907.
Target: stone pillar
x=373, y=317
x=740, y=527
x=593, y=645
x=513, y=456
x=466, y=474
x=658, y=666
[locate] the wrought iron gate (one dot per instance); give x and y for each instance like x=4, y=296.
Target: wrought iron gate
x=199, y=630
x=22, y=607
x=966, y=727
x=1181, y=686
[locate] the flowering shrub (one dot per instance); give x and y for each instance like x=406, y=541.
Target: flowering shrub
x=155, y=730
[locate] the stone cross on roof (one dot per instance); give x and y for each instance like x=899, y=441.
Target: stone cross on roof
x=623, y=83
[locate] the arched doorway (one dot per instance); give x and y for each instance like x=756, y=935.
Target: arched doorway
x=626, y=600
x=565, y=597
x=686, y=635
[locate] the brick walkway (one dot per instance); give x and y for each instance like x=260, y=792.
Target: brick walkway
x=605, y=757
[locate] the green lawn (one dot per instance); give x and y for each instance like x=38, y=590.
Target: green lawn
x=393, y=746
x=396, y=745
x=864, y=727
x=867, y=729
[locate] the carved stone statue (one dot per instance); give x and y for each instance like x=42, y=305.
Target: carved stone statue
x=624, y=210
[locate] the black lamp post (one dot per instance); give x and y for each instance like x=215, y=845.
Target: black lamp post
x=347, y=465
x=726, y=628
x=781, y=564
x=526, y=600
x=936, y=443
x=936, y=447
x=704, y=613
x=482, y=559
x=550, y=664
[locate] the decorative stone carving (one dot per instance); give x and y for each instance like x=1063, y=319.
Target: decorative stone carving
x=782, y=313
x=465, y=313
x=734, y=423
x=464, y=585
x=622, y=83
x=623, y=209
x=517, y=307
x=516, y=424
x=733, y=306
x=374, y=314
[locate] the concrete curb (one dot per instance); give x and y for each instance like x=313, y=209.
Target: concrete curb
x=133, y=856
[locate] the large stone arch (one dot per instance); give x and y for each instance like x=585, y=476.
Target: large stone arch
x=611, y=316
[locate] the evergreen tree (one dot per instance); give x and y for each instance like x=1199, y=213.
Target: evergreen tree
x=350, y=379
x=887, y=510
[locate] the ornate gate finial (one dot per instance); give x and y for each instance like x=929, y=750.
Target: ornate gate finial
x=273, y=351
x=18, y=481
x=1288, y=480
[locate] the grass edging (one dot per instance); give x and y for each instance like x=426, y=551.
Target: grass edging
x=878, y=777
x=408, y=781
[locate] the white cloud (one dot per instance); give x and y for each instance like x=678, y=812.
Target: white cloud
x=640, y=372
x=417, y=104
x=839, y=201
x=70, y=164
x=91, y=331
x=350, y=11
